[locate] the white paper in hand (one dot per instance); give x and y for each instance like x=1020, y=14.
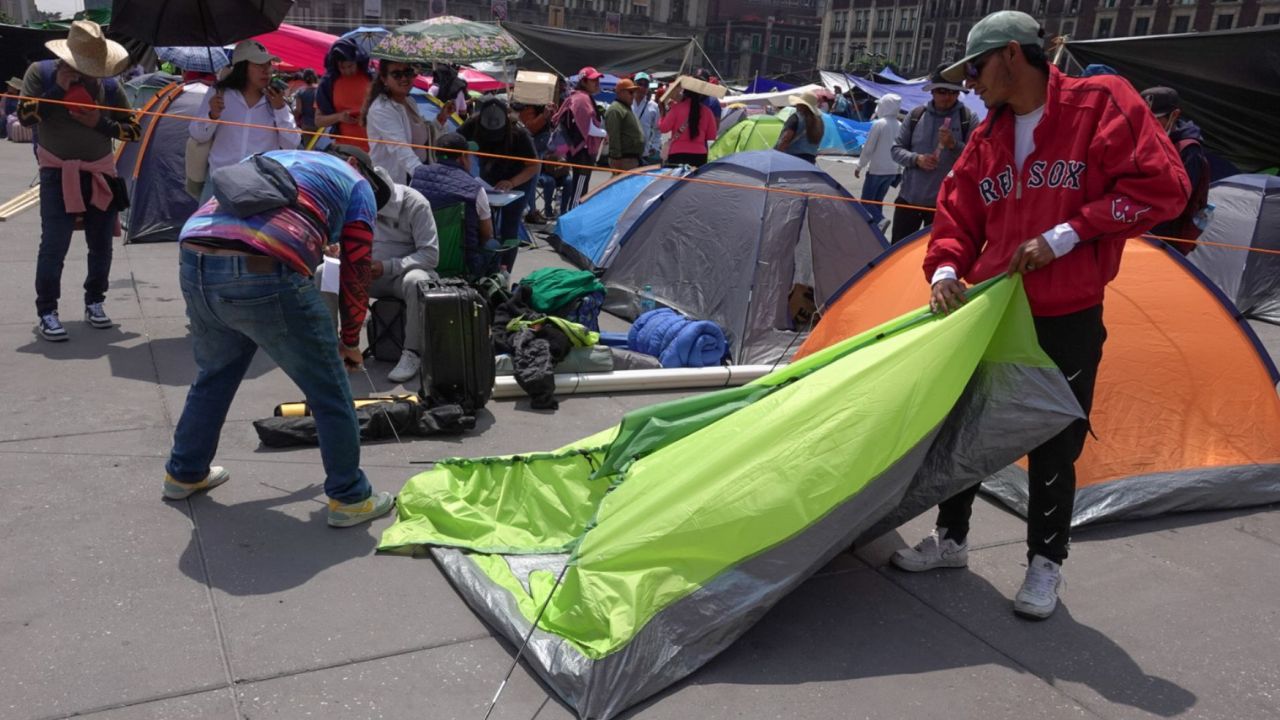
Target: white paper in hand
x=332, y=277
x=597, y=131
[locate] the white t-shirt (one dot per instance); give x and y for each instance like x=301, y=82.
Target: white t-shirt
x=482, y=205
x=1062, y=237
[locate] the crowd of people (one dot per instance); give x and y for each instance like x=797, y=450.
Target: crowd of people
x=1048, y=186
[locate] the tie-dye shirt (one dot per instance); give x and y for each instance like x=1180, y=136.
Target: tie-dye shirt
x=328, y=188
x=336, y=205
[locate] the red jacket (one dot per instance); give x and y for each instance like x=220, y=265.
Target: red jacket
x=1101, y=163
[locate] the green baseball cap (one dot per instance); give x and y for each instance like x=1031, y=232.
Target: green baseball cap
x=995, y=31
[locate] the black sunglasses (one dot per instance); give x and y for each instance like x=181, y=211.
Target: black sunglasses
x=973, y=68
x=404, y=74
x=945, y=91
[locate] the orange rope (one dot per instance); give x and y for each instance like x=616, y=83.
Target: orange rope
x=559, y=163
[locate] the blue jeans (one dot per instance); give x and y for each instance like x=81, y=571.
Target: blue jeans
x=56, y=227
x=233, y=313
x=875, y=187
x=548, y=185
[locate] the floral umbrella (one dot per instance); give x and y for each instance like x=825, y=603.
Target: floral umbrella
x=447, y=39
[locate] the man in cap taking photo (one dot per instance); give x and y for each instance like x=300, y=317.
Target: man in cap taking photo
x=1185, y=136
x=1062, y=172
x=77, y=164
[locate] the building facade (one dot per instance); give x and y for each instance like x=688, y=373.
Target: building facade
x=915, y=36
x=749, y=38
x=629, y=17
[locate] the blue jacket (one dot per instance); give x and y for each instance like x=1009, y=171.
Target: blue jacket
x=445, y=185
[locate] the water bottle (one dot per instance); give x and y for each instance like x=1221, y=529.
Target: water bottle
x=1202, y=218
x=647, y=302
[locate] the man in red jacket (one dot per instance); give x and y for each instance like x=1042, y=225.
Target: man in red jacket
x=1062, y=171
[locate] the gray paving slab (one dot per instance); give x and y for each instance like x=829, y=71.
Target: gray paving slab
x=99, y=380
x=294, y=594
x=100, y=605
x=457, y=681
x=212, y=705
x=1147, y=625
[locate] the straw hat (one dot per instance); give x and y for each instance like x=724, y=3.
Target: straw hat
x=15, y=82
x=89, y=52
x=808, y=99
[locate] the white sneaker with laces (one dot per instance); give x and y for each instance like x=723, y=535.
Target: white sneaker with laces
x=51, y=329
x=406, y=369
x=935, y=551
x=1038, y=597
x=96, y=316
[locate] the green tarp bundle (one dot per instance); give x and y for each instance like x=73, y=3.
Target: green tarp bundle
x=681, y=527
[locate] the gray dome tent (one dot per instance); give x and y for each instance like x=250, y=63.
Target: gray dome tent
x=731, y=252
x=1247, y=215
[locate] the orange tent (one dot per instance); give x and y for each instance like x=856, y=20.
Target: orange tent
x=1185, y=414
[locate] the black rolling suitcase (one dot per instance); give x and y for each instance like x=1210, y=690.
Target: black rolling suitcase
x=457, y=360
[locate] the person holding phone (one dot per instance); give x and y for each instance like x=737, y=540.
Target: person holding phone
x=342, y=91
x=246, y=95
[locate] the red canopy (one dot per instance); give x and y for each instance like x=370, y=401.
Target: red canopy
x=299, y=48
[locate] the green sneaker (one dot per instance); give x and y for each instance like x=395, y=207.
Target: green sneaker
x=174, y=490
x=374, y=506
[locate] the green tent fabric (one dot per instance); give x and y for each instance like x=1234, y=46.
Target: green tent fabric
x=713, y=508
x=754, y=133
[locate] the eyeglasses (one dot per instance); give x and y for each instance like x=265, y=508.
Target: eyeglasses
x=973, y=68
x=404, y=74
x=945, y=91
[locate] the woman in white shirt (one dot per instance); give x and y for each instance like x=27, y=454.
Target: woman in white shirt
x=246, y=95
x=391, y=115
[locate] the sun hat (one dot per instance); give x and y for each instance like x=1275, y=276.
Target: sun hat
x=808, y=99
x=995, y=31
x=252, y=51
x=89, y=51
x=937, y=82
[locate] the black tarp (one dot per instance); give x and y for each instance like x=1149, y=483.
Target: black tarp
x=1229, y=82
x=567, y=51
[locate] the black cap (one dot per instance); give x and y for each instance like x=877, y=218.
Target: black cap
x=493, y=115
x=381, y=190
x=451, y=145
x=1162, y=100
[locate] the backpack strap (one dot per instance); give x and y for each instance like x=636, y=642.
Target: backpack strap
x=966, y=122
x=913, y=118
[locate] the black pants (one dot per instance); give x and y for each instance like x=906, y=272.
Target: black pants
x=1074, y=343
x=907, y=221
x=581, y=174
x=690, y=159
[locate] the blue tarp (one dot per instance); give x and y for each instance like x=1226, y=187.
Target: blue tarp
x=913, y=94
x=764, y=85
x=889, y=75
x=851, y=134
x=588, y=227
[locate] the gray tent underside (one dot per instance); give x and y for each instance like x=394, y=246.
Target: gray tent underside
x=1004, y=411
x=729, y=255
x=1141, y=496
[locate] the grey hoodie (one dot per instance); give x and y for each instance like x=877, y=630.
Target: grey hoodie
x=920, y=187
x=405, y=236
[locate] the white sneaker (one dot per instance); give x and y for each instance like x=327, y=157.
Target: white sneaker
x=1038, y=597
x=406, y=369
x=935, y=551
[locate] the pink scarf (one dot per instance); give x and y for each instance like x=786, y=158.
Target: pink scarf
x=72, y=197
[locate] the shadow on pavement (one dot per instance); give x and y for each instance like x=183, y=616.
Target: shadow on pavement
x=831, y=630
x=252, y=548
x=135, y=362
